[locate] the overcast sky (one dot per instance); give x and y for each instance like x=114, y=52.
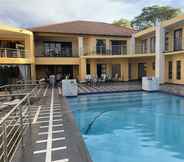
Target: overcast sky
x=26, y=13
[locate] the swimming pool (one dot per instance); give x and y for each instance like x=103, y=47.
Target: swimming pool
x=131, y=126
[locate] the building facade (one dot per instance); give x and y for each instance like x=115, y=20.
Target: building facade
x=78, y=48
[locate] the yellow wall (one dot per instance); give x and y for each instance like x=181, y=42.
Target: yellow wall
x=174, y=58
x=148, y=63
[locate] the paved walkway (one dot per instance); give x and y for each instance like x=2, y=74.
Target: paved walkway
x=54, y=136
x=173, y=89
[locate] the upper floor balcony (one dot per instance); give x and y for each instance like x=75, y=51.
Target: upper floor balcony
x=116, y=50
x=13, y=53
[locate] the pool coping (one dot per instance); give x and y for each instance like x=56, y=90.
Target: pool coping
x=138, y=90
x=75, y=133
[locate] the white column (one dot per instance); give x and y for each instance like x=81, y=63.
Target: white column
x=132, y=44
x=80, y=46
x=159, y=59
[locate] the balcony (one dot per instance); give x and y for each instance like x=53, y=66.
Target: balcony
x=116, y=50
x=65, y=52
x=12, y=53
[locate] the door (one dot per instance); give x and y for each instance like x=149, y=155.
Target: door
x=67, y=70
x=99, y=70
x=141, y=71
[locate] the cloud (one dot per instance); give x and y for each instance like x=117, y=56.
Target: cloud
x=26, y=13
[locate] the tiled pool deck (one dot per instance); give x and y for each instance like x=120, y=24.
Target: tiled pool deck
x=110, y=87
x=54, y=136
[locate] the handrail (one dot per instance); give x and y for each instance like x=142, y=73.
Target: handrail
x=13, y=126
x=13, y=53
x=14, y=108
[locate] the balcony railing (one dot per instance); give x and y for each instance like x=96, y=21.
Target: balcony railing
x=65, y=52
x=13, y=53
x=115, y=50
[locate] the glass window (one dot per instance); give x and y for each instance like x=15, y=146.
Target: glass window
x=100, y=46
x=178, y=39
x=170, y=70
x=167, y=41
x=119, y=47
x=116, y=70
x=178, y=70
x=46, y=49
x=61, y=49
x=144, y=46
x=152, y=45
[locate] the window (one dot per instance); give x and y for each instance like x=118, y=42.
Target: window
x=61, y=49
x=100, y=46
x=178, y=40
x=167, y=41
x=144, y=46
x=170, y=70
x=152, y=45
x=119, y=47
x=178, y=70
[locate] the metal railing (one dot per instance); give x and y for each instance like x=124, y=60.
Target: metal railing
x=17, y=88
x=13, y=53
x=115, y=50
x=55, y=52
x=13, y=126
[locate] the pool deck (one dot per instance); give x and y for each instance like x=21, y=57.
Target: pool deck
x=110, y=87
x=173, y=89
x=53, y=136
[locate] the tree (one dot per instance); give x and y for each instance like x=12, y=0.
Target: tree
x=150, y=14
x=122, y=22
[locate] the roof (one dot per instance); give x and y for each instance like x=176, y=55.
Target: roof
x=85, y=28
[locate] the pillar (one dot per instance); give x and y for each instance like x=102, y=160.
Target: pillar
x=33, y=72
x=132, y=44
x=160, y=59
x=82, y=69
x=93, y=68
x=124, y=70
x=81, y=46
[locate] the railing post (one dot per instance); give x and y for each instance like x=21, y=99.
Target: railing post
x=29, y=110
x=21, y=124
x=5, y=149
x=5, y=52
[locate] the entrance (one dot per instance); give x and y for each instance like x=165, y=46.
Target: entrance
x=141, y=71
x=101, y=69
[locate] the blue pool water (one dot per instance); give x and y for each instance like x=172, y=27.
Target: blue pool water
x=131, y=126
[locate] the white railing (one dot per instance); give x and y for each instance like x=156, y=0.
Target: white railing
x=13, y=53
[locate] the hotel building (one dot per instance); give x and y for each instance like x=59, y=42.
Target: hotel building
x=79, y=48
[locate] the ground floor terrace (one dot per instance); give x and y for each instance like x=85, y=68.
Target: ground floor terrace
x=117, y=69
x=12, y=73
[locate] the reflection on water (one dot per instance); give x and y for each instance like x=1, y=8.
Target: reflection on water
x=131, y=126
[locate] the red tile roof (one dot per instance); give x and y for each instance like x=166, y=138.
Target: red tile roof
x=85, y=28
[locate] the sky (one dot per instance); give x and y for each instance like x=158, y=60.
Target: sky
x=29, y=13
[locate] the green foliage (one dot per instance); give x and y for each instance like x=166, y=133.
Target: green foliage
x=150, y=14
x=122, y=22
